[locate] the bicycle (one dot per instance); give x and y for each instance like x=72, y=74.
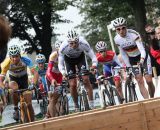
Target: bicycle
x=130, y=85
x=63, y=103
x=83, y=96
x=42, y=95
x=25, y=115
x=109, y=95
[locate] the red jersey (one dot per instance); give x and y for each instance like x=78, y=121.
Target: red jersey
x=108, y=59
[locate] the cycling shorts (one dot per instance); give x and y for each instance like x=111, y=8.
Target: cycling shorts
x=21, y=81
x=71, y=63
x=147, y=68
x=107, y=69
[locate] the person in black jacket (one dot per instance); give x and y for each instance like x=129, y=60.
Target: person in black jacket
x=5, y=33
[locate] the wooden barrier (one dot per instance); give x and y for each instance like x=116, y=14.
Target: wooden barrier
x=143, y=115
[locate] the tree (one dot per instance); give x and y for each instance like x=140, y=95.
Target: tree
x=38, y=16
x=98, y=14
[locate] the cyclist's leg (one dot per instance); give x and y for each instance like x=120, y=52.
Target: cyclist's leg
x=23, y=83
x=87, y=82
x=70, y=67
x=14, y=86
x=117, y=82
x=139, y=77
x=143, y=90
x=148, y=76
x=53, y=96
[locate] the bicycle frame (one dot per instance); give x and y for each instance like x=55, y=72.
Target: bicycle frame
x=84, y=105
x=23, y=106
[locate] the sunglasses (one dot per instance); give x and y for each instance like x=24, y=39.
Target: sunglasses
x=151, y=33
x=71, y=43
x=122, y=28
x=102, y=51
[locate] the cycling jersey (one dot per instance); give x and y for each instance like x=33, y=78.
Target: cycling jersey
x=130, y=45
x=110, y=60
x=83, y=46
x=18, y=70
x=41, y=72
x=52, y=70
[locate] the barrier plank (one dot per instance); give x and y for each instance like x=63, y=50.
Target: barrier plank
x=142, y=115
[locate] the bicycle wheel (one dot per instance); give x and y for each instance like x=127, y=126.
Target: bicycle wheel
x=116, y=99
x=65, y=106
x=130, y=93
x=85, y=100
x=43, y=106
x=108, y=96
x=104, y=99
x=23, y=111
x=135, y=97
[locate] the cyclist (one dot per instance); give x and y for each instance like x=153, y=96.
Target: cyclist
x=72, y=51
x=109, y=59
x=55, y=79
x=16, y=66
x=41, y=68
x=133, y=52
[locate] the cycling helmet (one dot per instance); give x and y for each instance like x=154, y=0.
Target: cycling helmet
x=72, y=36
x=57, y=45
x=119, y=22
x=100, y=46
x=14, y=50
x=40, y=58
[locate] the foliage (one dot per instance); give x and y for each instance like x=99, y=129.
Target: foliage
x=99, y=13
x=33, y=20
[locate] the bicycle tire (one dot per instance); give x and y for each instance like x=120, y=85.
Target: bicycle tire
x=114, y=94
x=43, y=106
x=65, y=106
x=85, y=100
x=104, y=99
x=130, y=93
x=108, y=96
x=135, y=97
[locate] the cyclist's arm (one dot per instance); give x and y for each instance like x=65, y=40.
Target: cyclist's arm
x=33, y=71
x=115, y=58
x=4, y=68
x=89, y=52
x=140, y=47
x=124, y=57
x=61, y=63
x=51, y=63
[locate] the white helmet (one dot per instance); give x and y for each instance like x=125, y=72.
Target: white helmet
x=72, y=36
x=40, y=58
x=119, y=22
x=100, y=46
x=57, y=44
x=14, y=50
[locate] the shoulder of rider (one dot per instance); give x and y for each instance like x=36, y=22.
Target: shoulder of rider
x=135, y=35
x=27, y=61
x=63, y=47
x=53, y=56
x=84, y=44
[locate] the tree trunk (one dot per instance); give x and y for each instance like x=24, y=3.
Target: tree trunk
x=140, y=16
x=45, y=41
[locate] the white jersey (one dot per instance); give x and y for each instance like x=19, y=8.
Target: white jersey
x=130, y=45
x=83, y=46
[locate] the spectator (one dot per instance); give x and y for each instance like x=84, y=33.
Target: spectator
x=157, y=31
x=154, y=47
